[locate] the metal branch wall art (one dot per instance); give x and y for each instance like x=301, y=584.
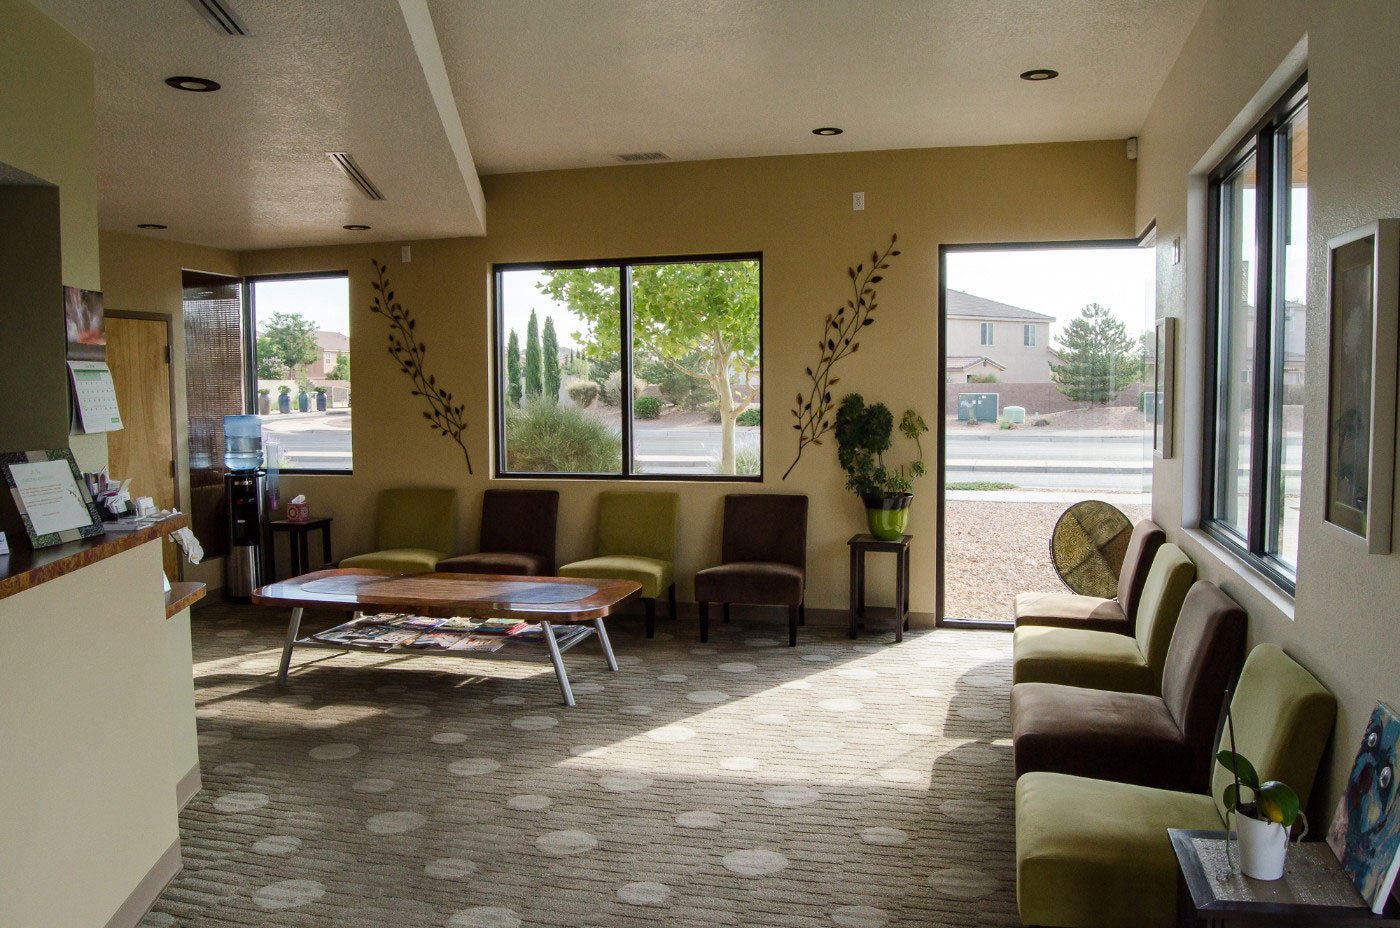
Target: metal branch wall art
x=839, y=339
x=408, y=350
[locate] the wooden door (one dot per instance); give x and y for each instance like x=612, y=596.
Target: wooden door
x=138, y=352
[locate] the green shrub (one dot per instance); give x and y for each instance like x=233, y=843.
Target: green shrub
x=981, y=378
x=611, y=390
x=711, y=411
x=677, y=387
x=583, y=394
x=747, y=462
x=545, y=438
x=1040, y=421
x=648, y=407
x=750, y=416
x=1006, y=424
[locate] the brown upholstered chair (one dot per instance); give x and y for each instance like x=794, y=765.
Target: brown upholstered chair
x=517, y=535
x=764, y=558
x=1070, y=610
x=1159, y=741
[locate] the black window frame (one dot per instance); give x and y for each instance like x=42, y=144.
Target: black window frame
x=623, y=265
x=250, y=361
x=1270, y=318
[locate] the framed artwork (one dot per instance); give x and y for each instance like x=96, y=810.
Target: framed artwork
x=51, y=496
x=1365, y=831
x=1363, y=289
x=1164, y=387
x=84, y=324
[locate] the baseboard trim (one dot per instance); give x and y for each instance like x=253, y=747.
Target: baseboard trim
x=148, y=890
x=185, y=790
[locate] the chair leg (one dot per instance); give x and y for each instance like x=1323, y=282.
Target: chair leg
x=671, y=597
x=802, y=612
x=792, y=626
x=704, y=621
x=651, y=617
x=726, y=614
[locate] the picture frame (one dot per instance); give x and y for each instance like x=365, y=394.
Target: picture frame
x=51, y=496
x=84, y=324
x=1363, y=302
x=1164, y=387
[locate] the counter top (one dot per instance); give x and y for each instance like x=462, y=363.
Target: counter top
x=23, y=569
x=182, y=596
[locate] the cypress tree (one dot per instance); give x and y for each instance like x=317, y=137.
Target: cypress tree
x=551, y=361
x=513, y=368
x=534, y=383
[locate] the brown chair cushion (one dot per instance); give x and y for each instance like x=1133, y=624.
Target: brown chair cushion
x=1147, y=537
x=511, y=563
x=1070, y=610
x=765, y=527
x=762, y=582
x=1127, y=737
x=523, y=521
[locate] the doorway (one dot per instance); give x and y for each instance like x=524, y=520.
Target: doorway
x=1046, y=350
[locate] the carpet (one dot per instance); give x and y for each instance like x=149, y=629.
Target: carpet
x=740, y=783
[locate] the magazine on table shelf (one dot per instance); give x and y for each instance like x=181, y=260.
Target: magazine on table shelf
x=1365, y=832
x=394, y=629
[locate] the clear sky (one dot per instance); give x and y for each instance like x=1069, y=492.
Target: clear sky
x=323, y=300
x=521, y=295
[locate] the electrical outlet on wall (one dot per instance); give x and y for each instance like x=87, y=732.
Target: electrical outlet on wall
x=405, y=254
x=858, y=200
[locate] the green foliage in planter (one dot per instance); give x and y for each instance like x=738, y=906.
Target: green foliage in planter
x=648, y=407
x=750, y=416
x=863, y=436
x=263, y=391
x=284, y=389
x=583, y=394
x=546, y=438
x=321, y=391
x=1273, y=800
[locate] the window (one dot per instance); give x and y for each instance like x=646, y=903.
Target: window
x=683, y=333
x=299, y=353
x=986, y=333
x=1028, y=336
x=1258, y=304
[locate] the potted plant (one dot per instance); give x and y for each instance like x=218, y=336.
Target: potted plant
x=303, y=401
x=320, y=399
x=862, y=437
x=1262, y=822
x=284, y=399
x=264, y=401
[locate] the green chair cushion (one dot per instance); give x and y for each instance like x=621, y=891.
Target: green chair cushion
x=398, y=560
x=1169, y=579
x=1079, y=657
x=1095, y=854
x=654, y=575
x=637, y=524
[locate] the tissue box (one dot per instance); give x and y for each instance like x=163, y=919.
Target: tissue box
x=298, y=512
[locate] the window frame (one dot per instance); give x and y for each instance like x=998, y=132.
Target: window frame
x=626, y=400
x=250, y=360
x=987, y=335
x=1266, y=439
x=1028, y=338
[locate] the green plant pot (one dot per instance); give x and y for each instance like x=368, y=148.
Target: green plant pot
x=887, y=517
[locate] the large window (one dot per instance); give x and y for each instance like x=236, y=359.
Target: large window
x=1258, y=302
x=682, y=335
x=300, y=356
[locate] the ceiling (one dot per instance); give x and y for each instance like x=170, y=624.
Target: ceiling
x=427, y=94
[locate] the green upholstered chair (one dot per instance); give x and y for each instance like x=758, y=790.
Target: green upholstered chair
x=635, y=540
x=1107, y=660
x=414, y=528
x=1071, y=610
x=1095, y=853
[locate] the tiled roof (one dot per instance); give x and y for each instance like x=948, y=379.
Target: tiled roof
x=961, y=362
x=966, y=306
x=332, y=341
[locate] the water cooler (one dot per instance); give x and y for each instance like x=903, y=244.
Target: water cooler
x=244, y=485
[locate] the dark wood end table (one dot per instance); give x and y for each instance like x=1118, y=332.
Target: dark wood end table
x=863, y=544
x=297, y=544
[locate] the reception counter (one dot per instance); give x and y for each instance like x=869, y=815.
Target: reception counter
x=96, y=730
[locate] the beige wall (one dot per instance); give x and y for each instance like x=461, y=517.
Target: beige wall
x=797, y=212
x=1239, y=58
x=1024, y=363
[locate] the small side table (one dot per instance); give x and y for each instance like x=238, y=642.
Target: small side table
x=298, y=532
x=862, y=544
x=1314, y=889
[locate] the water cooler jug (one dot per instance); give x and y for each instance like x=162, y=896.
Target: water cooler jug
x=244, y=484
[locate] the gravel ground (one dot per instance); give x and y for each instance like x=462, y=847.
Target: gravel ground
x=996, y=550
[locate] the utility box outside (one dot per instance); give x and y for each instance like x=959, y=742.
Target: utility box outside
x=985, y=406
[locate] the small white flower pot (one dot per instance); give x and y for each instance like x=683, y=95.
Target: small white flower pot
x=1262, y=847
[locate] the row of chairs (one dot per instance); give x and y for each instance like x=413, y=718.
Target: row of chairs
x=763, y=558
x=1116, y=719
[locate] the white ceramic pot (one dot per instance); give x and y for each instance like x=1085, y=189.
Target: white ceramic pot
x=1262, y=847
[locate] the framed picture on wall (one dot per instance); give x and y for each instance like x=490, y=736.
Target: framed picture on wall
x=1163, y=387
x=84, y=324
x=1363, y=295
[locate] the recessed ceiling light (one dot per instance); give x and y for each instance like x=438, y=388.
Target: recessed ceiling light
x=193, y=84
x=355, y=228
x=1039, y=74
x=150, y=225
x=827, y=130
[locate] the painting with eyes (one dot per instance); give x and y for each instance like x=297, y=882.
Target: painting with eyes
x=1365, y=832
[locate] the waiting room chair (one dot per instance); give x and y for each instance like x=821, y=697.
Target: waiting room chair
x=415, y=527
x=763, y=558
x=517, y=535
x=1161, y=741
x=1095, y=854
x=1071, y=610
x=1105, y=660
x=635, y=540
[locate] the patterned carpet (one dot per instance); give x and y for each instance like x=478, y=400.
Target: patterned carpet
x=740, y=783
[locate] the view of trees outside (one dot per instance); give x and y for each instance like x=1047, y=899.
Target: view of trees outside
x=302, y=359
x=695, y=366
x=1049, y=375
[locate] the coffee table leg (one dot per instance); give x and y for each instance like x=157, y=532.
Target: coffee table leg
x=558, y=660
x=292, y=627
x=607, y=645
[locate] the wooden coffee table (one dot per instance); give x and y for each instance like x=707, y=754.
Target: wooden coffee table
x=546, y=600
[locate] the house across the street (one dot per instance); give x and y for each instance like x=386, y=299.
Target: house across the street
x=1013, y=343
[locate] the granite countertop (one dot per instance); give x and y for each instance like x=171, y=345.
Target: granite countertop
x=23, y=569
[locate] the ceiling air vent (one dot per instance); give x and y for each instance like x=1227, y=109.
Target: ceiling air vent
x=346, y=163
x=224, y=20
x=645, y=156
